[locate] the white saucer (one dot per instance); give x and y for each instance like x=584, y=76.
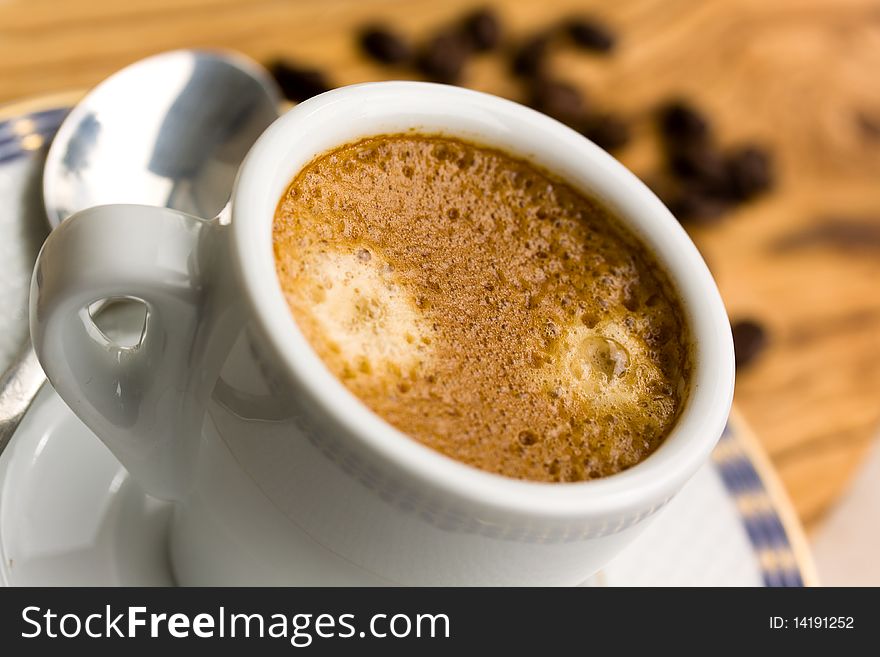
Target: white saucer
x=70, y=515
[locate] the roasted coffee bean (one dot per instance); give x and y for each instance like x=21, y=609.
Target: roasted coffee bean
x=750, y=172
x=482, y=29
x=557, y=99
x=529, y=58
x=749, y=340
x=695, y=205
x=298, y=83
x=590, y=34
x=607, y=130
x=701, y=163
x=681, y=122
x=868, y=125
x=384, y=45
x=444, y=57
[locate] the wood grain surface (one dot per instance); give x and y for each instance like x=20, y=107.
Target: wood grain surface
x=798, y=75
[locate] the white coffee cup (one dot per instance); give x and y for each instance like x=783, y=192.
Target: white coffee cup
x=279, y=474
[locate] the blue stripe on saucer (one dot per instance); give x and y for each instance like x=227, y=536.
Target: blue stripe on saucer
x=762, y=524
x=26, y=133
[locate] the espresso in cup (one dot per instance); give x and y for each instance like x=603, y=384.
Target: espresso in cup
x=483, y=306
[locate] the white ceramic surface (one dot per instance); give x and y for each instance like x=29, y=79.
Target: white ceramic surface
x=224, y=408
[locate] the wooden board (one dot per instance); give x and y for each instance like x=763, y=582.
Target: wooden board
x=800, y=75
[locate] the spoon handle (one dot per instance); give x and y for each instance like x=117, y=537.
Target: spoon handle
x=18, y=387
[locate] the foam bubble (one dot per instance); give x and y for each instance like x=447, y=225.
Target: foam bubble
x=370, y=319
x=607, y=366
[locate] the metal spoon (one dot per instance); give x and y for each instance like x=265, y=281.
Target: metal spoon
x=169, y=130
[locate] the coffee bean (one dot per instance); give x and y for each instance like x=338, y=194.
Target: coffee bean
x=695, y=205
x=749, y=340
x=607, y=130
x=384, y=45
x=590, y=34
x=750, y=172
x=298, y=83
x=482, y=29
x=681, y=122
x=557, y=99
x=529, y=58
x=701, y=163
x=444, y=57
x=868, y=125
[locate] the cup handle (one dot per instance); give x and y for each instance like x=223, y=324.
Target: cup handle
x=142, y=401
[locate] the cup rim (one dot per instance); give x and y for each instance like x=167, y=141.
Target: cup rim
x=347, y=113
